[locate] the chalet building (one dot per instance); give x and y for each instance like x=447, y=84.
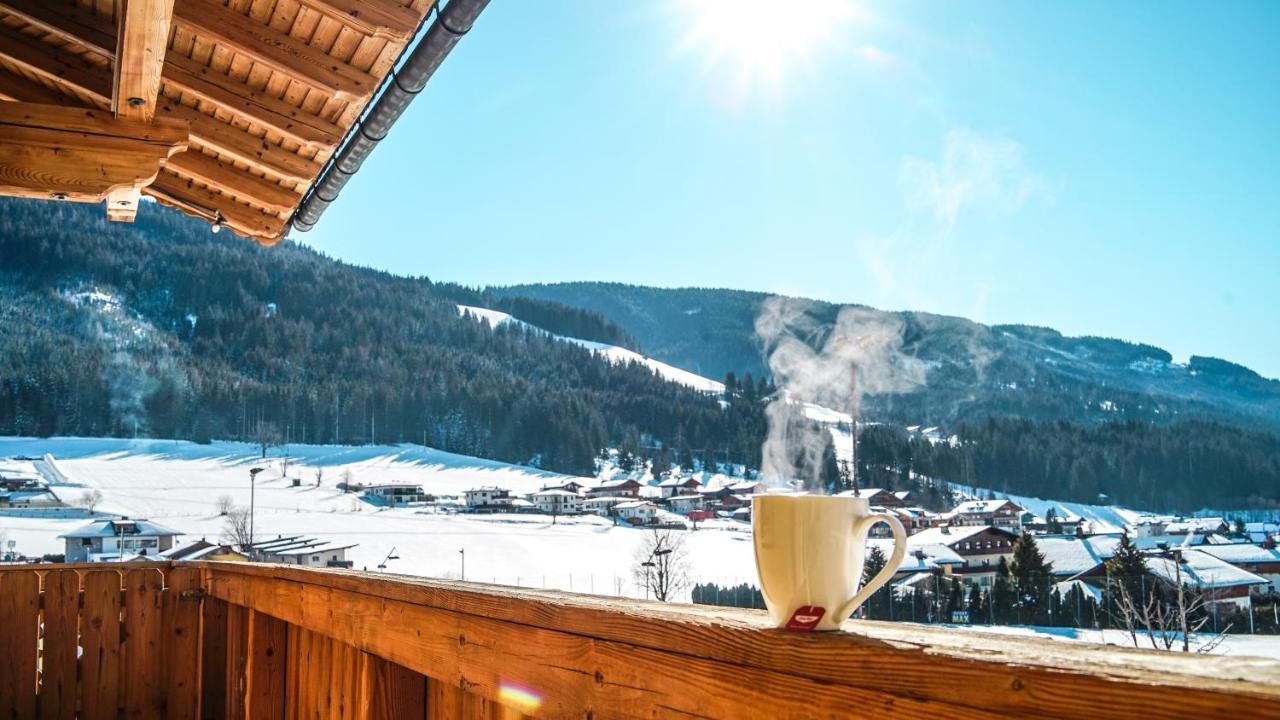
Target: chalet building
x=557, y=502
x=878, y=497
x=616, y=488
x=35, y=497
x=1198, y=526
x=637, y=512
x=920, y=558
x=204, y=550
x=572, y=486
x=1263, y=562
x=603, y=506
x=488, y=499
x=397, y=495
x=674, y=486
x=686, y=504
x=913, y=519
x=1005, y=514
x=980, y=547
x=303, y=551
x=115, y=540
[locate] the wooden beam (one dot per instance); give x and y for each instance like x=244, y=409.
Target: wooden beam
x=263, y=193
x=380, y=18
x=67, y=153
x=170, y=189
x=75, y=74
x=73, y=24
x=274, y=49
x=142, y=37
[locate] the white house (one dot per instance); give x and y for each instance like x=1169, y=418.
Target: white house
x=104, y=540
x=1005, y=514
x=396, y=494
x=637, y=512
x=488, y=498
x=674, y=486
x=615, y=488
x=603, y=506
x=685, y=504
x=304, y=551
x=557, y=502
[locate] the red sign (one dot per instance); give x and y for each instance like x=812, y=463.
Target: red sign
x=805, y=618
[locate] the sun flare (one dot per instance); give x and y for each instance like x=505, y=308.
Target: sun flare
x=760, y=41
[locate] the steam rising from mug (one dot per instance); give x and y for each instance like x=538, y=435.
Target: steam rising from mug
x=833, y=366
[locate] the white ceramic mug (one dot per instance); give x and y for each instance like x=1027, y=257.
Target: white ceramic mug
x=810, y=550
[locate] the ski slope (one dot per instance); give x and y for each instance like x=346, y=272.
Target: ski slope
x=616, y=355
x=178, y=484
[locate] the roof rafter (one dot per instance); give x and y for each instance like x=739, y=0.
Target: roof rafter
x=142, y=38
x=73, y=24
x=274, y=49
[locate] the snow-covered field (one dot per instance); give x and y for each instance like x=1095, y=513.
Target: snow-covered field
x=178, y=484
x=1244, y=645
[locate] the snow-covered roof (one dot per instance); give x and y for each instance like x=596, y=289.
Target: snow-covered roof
x=197, y=550
x=393, y=486
x=1089, y=591
x=685, y=497
x=1241, y=553
x=314, y=550
x=1200, y=569
x=607, y=500
x=1105, y=545
x=975, y=507
x=863, y=492
x=1196, y=525
x=614, y=484
x=902, y=494
x=634, y=504
x=678, y=482
x=1069, y=555
x=919, y=558
x=486, y=488
x=121, y=526
x=950, y=535
x=554, y=493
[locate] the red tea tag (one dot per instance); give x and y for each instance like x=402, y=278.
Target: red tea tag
x=805, y=618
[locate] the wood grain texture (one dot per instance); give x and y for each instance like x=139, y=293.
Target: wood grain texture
x=237, y=661
x=100, y=679
x=181, y=643
x=390, y=691
x=19, y=639
x=379, y=18
x=213, y=659
x=144, y=674
x=274, y=49
x=265, y=674
x=142, y=38
x=61, y=640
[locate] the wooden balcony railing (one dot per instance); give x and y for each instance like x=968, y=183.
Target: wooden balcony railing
x=230, y=640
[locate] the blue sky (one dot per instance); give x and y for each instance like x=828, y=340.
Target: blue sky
x=1102, y=168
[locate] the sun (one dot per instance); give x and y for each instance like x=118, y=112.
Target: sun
x=759, y=42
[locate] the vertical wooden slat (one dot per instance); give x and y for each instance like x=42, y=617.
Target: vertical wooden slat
x=444, y=702
x=19, y=630
x=292, y=672
x=182, y=642
x=344, y=681
x=237, y=660
x=391, y=691
x=145, y=677
x=213, y=660
x=320, y=680
x=265, y=674
x=60, y=645
x=100, y=638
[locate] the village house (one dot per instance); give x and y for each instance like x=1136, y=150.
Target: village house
x=572, y=486
x=1005, y=514
x=615, y=488
x=981, y=548
x=557, y=502
x=1263, y=562
x=603, y=506
x=396, y=494
x=674, y=486
x=878, y=497
x=686, y=504
x=913, y=519
x=488, y=499
x=303, y=551
x=204, y=550
x=637, y=512
x=120, y=539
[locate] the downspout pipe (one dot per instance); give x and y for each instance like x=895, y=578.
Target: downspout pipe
x=450, y=25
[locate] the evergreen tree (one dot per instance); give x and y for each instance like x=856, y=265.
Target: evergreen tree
x=876, y=607
x=1032, y=577
x=1128, y=568
x=977, y=606
x=1002, y=594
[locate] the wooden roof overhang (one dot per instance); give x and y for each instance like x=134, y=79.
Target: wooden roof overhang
x=226, y=109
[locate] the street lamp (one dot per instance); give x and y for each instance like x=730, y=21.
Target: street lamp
x=253, y=473
x=390, y=556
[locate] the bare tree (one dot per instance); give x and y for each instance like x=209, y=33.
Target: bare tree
x=236, y=527
x=225, y=504
x=1164, y=623
x=91, y=500
x=319, y=476
x=266, y=435
x=662, y=564
x=348, y=481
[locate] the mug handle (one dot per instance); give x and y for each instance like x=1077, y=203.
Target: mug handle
x=861, y=527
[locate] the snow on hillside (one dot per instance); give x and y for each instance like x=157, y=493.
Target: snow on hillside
x=616, y=355
x=1104, y=518
x=178, y=484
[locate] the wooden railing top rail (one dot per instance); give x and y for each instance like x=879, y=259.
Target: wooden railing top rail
x=568, y=655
